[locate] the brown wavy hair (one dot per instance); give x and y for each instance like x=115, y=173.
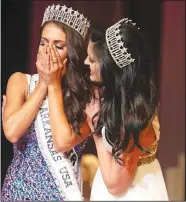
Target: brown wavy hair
x=76, y=82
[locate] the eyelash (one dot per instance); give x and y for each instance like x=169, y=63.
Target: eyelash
x=58, y=47
x=42, y=44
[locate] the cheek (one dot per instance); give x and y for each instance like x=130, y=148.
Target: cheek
x=95, y=74
x=40, y=49
x=98, y=73
x=63, y=53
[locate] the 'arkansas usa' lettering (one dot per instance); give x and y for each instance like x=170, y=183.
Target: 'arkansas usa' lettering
x=65, y=176
x=48, y=135
x=71, y=154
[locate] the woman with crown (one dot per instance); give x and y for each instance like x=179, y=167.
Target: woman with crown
x=44, y=114
x=124, y=124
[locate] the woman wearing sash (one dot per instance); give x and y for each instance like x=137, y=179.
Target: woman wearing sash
x=44, y=114
x=126, y=127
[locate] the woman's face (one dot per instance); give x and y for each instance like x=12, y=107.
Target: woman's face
x=94, y=65
x=53, y=35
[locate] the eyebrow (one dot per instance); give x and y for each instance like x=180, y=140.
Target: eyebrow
x=56, y=41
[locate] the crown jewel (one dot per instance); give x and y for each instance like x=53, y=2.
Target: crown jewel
x=115, y=45
x=68, y=16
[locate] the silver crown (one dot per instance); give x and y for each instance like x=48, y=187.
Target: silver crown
x=68, y=16
x=115, y=45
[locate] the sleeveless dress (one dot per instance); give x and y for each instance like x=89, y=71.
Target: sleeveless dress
x=148, y=183
x=28, y=177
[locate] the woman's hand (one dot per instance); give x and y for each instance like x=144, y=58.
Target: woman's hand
x=42, y=65
x=92, y=108
x=58, y=67
x=50, y=66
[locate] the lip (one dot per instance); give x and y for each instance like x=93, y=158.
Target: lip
x=91, y=73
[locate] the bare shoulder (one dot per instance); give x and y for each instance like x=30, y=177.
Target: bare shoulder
x=18, y=77
x=18, y=82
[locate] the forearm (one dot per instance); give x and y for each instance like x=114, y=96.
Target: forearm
x=16, y=123
x=61, y=130
x=105, y=159
x=115, y=176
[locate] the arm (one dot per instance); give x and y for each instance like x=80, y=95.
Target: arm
x=117, y=178
x=19, y=112
x=63, y=134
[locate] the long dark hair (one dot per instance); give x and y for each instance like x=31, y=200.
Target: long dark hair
x=76, y=84
x=130, y=95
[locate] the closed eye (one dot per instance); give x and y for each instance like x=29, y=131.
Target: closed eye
x=42, y=43
x=60, y=47
x=90, y=59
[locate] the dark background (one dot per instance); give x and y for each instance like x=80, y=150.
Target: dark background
x=163, y=24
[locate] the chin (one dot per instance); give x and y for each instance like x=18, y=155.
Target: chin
x=95, y=79
x=92, y=78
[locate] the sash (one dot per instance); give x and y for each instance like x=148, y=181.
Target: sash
x=62, y=168
x=108, y=144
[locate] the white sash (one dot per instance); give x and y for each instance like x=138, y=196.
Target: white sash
x=107, y=144
x=61, y=168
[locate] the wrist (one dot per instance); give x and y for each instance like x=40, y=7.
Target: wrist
x=55, y=86
x=42, y=85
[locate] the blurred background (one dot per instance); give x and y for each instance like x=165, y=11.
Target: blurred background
x=163, y=24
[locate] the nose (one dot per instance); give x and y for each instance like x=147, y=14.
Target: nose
x=86, y=61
